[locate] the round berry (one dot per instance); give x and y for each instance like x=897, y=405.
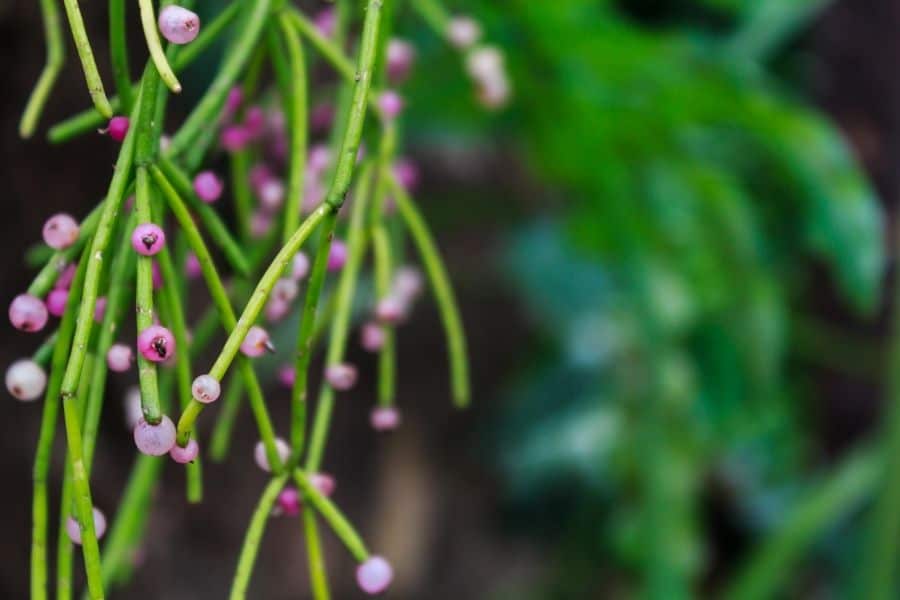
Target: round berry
x=60, y=231
x=323, y=482
x=27, y=313
x=299, y=266
x=118, y=128
x=154, y=440
x=391, y=104
x=390, y=310
x=262, y=460
x=178, y=25
x=206, y=389
x=407, y=173
x=208, y=186
x=289, y=501
x=73, y=529
x=277, y=309
x=400, y=57
x=26, y=380
x=325, y=21
x=341, y=377
x=384, y=418
x=119, y=358
x=148, y=239
x=271, y=194
x=156, y=343
x=371, y=337
x=56, y=302
x=66, y=275
x=285, y=290
x=463, y=32
x=256, y=342
x=374, y=575
x=234, y=138
x=131, y=406
x=337, y=255
x=259, y=174
x=408, y=283
x=186, y=454
x=287, y=375
x=192, y=266
x=260, y=224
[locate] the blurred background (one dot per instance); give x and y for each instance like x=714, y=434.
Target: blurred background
x=672, y=251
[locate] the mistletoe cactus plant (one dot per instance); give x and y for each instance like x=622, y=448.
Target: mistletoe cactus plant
x=310, y=202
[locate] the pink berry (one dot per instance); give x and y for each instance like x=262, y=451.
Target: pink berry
x=56, y=302
x=256, y=342
x=325, y=21
x=156, y=343
x=390, y=310
x=384, y=418
x=73, y=529
x=148, y=239
x=131, y=406
x=400, y=57
x=206, y=389
x=463, y=32
x=119, y=358
x=271, y=194
x=289, y=501
x=371, y=337
x=407, y=173
x=259, y=174
x=154, y=440
x=156, y=275
x=233, y=102
x=60, y=231
x=408, y=283
x=390, y=103
x=375, y=575
x=323, y=482
x=208, y=186
x=186, y=454
x=100, y=309
x=287, y=375
x=64, y=281
x=118, y=128
x=178, y=25
x=277, y=309
x=285, y=290
x=337, y=255
x=27, y=313
x=299, y=266
x=262, y=460
x=319, y=159
x=192, y=266
x=26, y=380
x=234, y=138
x=255, y=122
x=260, y=224
x=341, y=376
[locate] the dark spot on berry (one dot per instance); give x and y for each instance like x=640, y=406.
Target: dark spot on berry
x=159, y=344
x=148, y=240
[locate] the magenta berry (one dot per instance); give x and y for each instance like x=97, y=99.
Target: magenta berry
x=341, y=376
x=26, y=380
x=287, y=375
x=391, y=104
x=148, y=239
x=390, y=310
x=60, y=231
x=262, y=461
x=154, y=440
x=407, y=173
x=186, y=454
x=384, y=418
x=100, y=309
x=233, y=102
x=325, y=21
x=337, y=255
x=206, y=389
x=234, y=138
x=299, y=266
x=375, y=575
x=463, y=32
x=73, y=529
x=64, y=281
x=256, y=342
x=192, y=266
x=400, y=57
x=56, y=302
x=156, y=343
x=289, y=501
x=208, y=186
x=27, y=313
x=118, y=128
x=178, y=25
x=259, y=174
x=119, y=358
x=371, y=337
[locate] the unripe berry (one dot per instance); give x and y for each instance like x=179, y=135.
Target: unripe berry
x=299, y=266
x=26, y=380
x=337, y=255
x=27, y=313
x=56, y=302
x=390, y=103
x=148, y=239
x=256, y=342
x=262, y=461
x=384, y=418
x=118, y=128
x=208, y=186
x=60, y=231
x=156, y=343
x=375, y=575
x=463, y=32
x=371, y=337
x=73, y=529
x=206, y=389
x=154, y=440
x=186, y=454
x=341, y=376
x=119, y=358
x=178, y=25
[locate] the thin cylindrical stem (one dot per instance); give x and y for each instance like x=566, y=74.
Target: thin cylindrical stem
x=335, y=519
x=328, y=49
x=118, y=50
x=386, y=356
x=86, y=55
x=56, y=57
x=148, y=22
x=147, y=375
x=239, y=163
x=298, y=118
x=318, y=579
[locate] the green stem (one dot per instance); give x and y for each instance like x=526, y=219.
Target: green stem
x=328, y=49
x=337, y=521
x=254, y=535
x=318, y=579
x=148, y=22
x=434, y=14
x=386, y=356
x=56, y=57
x=144, y=307
x=298, y=119
x=443, y=293
x=118, y=50
x=86, y=54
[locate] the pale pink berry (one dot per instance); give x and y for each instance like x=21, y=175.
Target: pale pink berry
x=56, y=302
x=118, y=128
x=262, y=460
x=154, y=440
x=408, y=283
x=390, y=310
x=289, y=501
x=271, y=194
x=156, y=343
x=375, y=575
x=391, y=104
x=277, y=309
x=371, y=337
x=260, y=224
x=337, y=255
x=119, y=358
x=73, y=529
x=165, y=142
x=178, y=24
x=494, y=93
x=100, y=309
x=256, y=342
x=299, y=266
x=323, y=482
x=64, y=281
x=400, y=57
x=206, y=389
x=341, y=376
x=148, y=239
x=463, y=32
x=285, y=290
x=192, y=266
x=208, y=186
x=384, y=418
x=26, y=380
x=319, y=159
x=325, y=21
x=287, y=375
x=407, y=173
x=186, y=454
x=60, y=231
x=259, y=174
x=27, y=313
x=234, y=138
x=131, y=406
x=485, y=63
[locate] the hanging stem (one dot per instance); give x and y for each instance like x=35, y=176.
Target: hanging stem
x=56, y=57
x=86, y=54
x=298, y=120
x=337, y=521
x=118, y=50
x=148, y=22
